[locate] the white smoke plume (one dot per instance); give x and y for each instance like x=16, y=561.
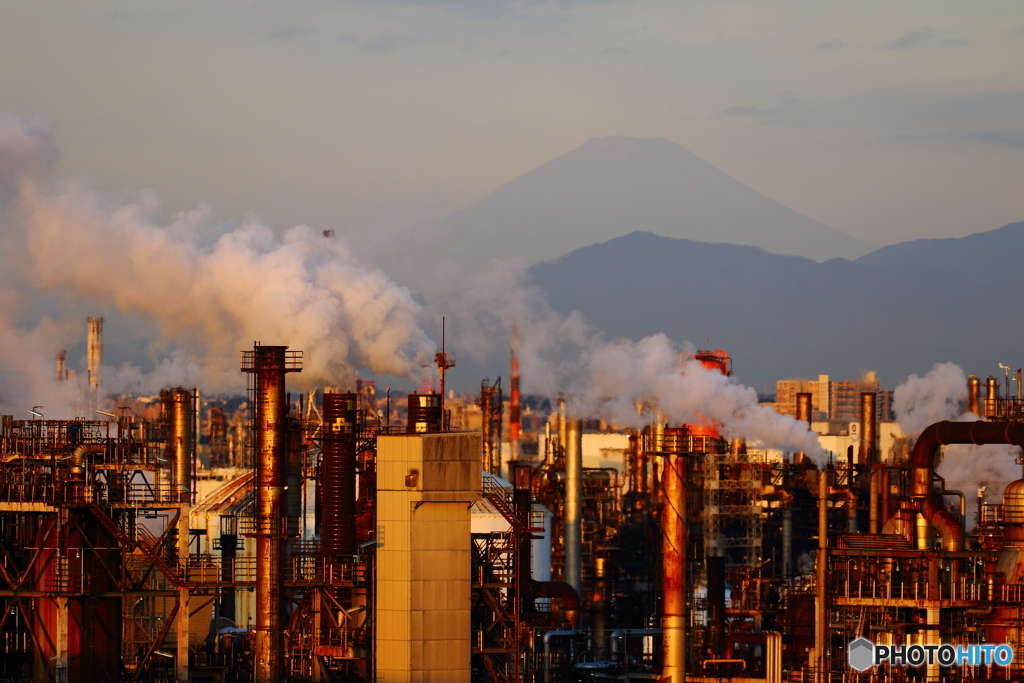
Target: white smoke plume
x=561, y=356
x=624, y=375
x=939, y=395
x=212, y=291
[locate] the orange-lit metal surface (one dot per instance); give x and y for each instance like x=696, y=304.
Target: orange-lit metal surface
x=269, y=365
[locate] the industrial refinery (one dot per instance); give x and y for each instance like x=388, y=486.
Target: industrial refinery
x=340, y=535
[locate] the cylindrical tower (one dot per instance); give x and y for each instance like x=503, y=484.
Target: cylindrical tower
x=974, y=395
x=181, y=409
x=338, y=528
x=991, y=397
x=268, y=365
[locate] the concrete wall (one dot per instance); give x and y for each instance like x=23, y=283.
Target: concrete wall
x=425, y=486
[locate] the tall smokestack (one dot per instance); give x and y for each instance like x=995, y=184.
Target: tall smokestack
x=94, y=351
x=574, y=505
x=803, y=414
x=514, y=413
x=673, y=557
x=268, y=365
x=868, y=428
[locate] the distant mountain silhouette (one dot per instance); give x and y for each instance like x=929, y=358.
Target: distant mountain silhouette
x=787, y=316
x=990, y=257
x=612, y=186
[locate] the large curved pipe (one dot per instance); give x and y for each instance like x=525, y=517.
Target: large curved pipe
x=948, y=527
x=78, y=458
x=922, y=463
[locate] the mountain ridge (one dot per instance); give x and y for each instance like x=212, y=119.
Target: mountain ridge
x=991, y=256
x=786, y=316
x=610, y=186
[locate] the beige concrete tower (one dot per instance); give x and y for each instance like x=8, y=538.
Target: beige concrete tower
x=425, y=486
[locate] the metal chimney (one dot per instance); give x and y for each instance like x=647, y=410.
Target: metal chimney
x=803, y=414
x=268, y=366
x=673, y=556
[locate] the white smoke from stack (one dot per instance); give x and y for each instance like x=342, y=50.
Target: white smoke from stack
x=941, y=395
x=625, y=374
x=606, y=380
x=212, y=292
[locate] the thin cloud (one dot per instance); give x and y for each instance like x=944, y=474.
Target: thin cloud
x=747, y=110
x=291, y=32
x=912, y=39
x=988, y=137
x=616, y=50
x=829, y=45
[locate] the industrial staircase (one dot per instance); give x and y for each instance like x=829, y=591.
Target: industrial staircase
x=150, y=547
x=501, y=498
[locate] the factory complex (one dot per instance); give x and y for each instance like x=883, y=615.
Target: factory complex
x=344, y=535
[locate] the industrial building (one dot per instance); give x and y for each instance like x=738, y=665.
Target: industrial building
x=334, y=541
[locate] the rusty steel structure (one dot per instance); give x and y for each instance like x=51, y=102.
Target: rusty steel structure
x=130, y=550
x=268, y=366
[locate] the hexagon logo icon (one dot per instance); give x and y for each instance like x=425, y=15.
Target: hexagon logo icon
x=861, y=654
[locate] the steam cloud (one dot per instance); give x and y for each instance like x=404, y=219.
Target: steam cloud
x=212, y=292
x=624, y=375
x=607, y=379
x=939, y=395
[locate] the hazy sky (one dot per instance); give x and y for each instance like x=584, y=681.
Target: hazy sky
x=887, y=120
